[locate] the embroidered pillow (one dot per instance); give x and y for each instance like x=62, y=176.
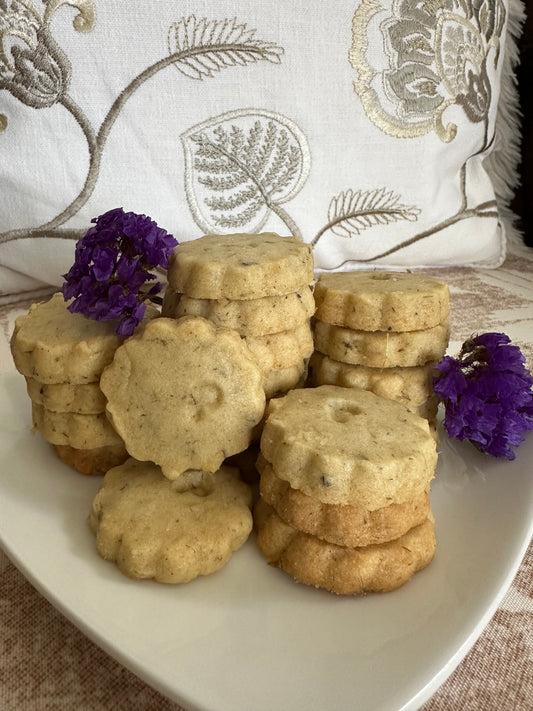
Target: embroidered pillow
x=384, y=132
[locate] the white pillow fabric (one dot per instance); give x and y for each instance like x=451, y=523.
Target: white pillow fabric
x=382, y=131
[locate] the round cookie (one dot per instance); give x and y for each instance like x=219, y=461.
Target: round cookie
x=283, y=349
x=381, y=301
x=411, y=386
x=250, y=317
x=53, y=345
x=382, y=567
x=347, y=446
x=382, y=349
x=92, y=462
x=151, y=529
x=85, y=399
x=279, y=380
x=342, y=524
x=184, y=394
x=240, y=266
x=74, y=430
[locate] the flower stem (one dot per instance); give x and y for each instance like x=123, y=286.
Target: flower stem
x=97, y=143
x=464, y=215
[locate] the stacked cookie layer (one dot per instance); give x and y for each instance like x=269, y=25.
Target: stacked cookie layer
x=62, y=356
x=345, y=481
x=383, y=332
x=257, y=285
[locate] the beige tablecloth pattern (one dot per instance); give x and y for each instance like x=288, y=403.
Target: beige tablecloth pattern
x=48, y=664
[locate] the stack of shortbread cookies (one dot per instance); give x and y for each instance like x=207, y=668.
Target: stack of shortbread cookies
x=62, y=356
x=258, y=285
x=383, y=332
x=345, y=480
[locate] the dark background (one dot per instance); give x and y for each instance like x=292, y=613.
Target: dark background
x=523, y=203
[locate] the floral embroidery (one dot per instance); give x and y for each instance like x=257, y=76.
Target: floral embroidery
x=242, y=166
x=40, y=74
x=438, y=55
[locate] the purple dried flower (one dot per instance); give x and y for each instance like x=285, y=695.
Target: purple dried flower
x=113, y=262
x=487, y=393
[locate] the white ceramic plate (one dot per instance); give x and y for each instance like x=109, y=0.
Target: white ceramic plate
x=248, y=638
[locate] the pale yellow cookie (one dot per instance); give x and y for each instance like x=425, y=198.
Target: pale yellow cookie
x=348, y=446
x=250, y=317
x=184, y=394
x=382, y=567
x=151, y=529
x=240, y=266
x=74, y=430
x=53, y=345
x=93, y=462
x=382, y=349
x=283, y=349
x=342, y=524
x=411, y=386
x=85, y=399
x=382, y=301
x=278, y=381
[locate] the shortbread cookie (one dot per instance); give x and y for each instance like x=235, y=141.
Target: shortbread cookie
x=429, y=409
x=240, y=266
x=53, y=345
x=382, y=349
x=348, y=446
x=152, y=530
x=342, y=524
x=283, y=349
x=74, y=430
x=92, y=462
x=85, y=399
x=381, y=301
x=279, y=380
x=411, y=386
x=250, y=317
x=184, y=394
x=382, y=567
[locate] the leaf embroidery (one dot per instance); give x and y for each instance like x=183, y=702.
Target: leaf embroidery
x=241, y=166
x=352, y=212
x=206, y=46
x=197, y=49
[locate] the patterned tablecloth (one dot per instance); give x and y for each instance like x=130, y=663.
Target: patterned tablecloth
x=47, y=663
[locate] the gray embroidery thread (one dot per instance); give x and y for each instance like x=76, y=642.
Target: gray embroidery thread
x=39, y=75
x=242, y=166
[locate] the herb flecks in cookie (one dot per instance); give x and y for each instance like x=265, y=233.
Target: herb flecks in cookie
x=184, y=394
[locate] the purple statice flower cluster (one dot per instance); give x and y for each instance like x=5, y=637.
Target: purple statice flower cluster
x=487, y=393
x=113, y=263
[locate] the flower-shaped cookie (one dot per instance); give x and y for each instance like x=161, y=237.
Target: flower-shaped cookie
x=152, y=528
x=184, y=394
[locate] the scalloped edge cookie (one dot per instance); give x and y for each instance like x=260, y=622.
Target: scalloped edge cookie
x=73, y=429
x=92, y=462
x=184, y=394
x=381, y=349
x=84, y=399
x=382, y=300
x=152, y=530
x=382, y=567
x=346, y=445
x=250, y=317
x=241, y=266
x=342, y=524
